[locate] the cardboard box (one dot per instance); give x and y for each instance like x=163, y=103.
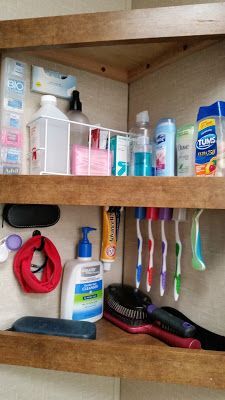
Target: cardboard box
x=51, y=82
x=120, y=147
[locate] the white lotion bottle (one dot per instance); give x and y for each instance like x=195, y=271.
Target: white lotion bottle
x=82, y=286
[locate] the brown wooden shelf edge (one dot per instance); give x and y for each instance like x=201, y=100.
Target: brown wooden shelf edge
x=153, y=24
x=174, y=192
x=118, y=355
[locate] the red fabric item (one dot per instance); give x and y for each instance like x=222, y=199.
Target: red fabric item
x=51, y=273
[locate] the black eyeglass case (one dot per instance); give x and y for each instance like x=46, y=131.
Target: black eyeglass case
x=30, y=215
x=55, y=327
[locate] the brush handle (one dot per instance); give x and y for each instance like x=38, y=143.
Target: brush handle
x=139, y=260
x=151, y=245
x=164, y=256
x=155, y=331
x=177, y=276
x=171, y=339
x=169, y=322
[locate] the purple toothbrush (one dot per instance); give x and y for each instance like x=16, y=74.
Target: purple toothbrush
x=165, y=214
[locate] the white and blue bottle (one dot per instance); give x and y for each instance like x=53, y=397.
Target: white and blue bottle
x=165, y=133
x=82, y=286
x=141, y=144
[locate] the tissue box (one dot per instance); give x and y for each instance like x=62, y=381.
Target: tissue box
x=52, y=82
x=99, y=160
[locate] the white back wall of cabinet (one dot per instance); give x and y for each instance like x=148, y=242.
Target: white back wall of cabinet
x=177, y=91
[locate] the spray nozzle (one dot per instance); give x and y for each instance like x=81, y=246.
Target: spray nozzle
x=85, y=231
x=142, y=117
x=85, y=247
x=75, y=103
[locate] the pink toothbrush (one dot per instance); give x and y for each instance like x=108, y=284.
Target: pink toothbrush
x=152, y=214
x=165, y=214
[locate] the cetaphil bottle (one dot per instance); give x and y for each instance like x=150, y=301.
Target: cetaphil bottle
x=82, y=286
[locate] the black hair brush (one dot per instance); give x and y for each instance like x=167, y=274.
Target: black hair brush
x=133, y=306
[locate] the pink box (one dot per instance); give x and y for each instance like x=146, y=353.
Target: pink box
x=99, y=163
x=11, y=137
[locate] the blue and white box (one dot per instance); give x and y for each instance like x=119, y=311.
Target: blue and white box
x=46, y=81
x=120, y=147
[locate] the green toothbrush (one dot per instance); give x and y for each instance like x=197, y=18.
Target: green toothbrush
x=197, y=260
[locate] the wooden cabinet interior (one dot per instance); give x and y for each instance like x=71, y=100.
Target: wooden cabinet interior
x=123, y=46
x=116, y=44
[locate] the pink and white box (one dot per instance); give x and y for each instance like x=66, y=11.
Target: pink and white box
x=100, y=161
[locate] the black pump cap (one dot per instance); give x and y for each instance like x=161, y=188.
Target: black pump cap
x=75, y=103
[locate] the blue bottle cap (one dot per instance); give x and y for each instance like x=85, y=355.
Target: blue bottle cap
x=84, y=246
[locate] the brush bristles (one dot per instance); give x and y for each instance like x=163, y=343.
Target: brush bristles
x=127, y=320
x=135, y=314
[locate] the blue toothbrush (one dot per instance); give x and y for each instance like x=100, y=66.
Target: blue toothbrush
x=139, y=214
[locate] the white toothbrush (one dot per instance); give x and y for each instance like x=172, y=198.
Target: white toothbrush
x=139, y=214
x=152, y=214
x=139, y=261
x=165, y=214
x=164, y=257
x=179, y=214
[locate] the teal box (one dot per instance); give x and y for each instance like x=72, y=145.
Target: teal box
x=120, y=146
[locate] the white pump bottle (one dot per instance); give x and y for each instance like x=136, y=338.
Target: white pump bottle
x=82, y=287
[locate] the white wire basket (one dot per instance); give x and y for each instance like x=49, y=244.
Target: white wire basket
x=51, y=151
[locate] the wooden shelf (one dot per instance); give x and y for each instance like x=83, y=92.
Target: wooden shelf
x=125, y=63
x=122, y=45
x=115, y=353
x=172, y=192
x=118, y=27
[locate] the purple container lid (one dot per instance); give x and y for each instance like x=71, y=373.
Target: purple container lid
x=13, y=242
x=165, y=214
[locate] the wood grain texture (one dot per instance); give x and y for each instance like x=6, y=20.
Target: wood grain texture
x=117, y=354
x=101, y=67
x=115, y=27
x=126, y=191
x=124, y=63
